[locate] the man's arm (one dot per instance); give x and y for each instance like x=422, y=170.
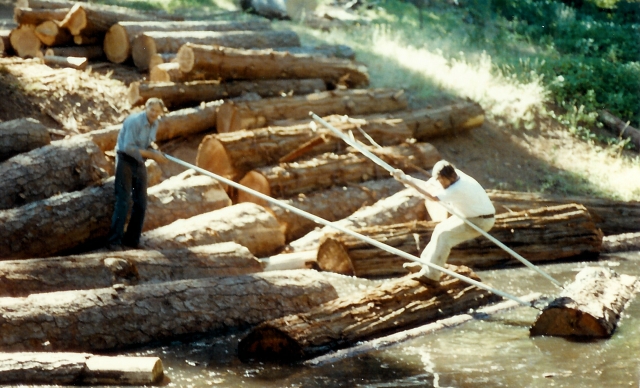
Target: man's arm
x=417, y=184
x=155, y=155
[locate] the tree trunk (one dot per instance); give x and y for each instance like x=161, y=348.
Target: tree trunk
x=233, y=154
x=51, y=35
x=77, y=63
x=122, y=316
x=621, y=243
x=78, y=369
x=117, y=41
x=149, y=43
x=234, y=116
x=89, y=52
x=22, y=135
x=612, y=217
x=620, y=128
x=35, y=16
x=62, y=166
x=247, y=224
x=105, y=269
x=590, y=307
x=216, y=62
x=391, y=307
x=193, y=93
x=25, y=42
x=87, y=19
x=540, y=235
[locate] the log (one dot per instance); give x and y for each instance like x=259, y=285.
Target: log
x=620, y=128
x=289, y=9
x=62, y=166
x=165, y=71
x=247, y=224
x=78, y=63
x=105, y=269
x=234, y=154
x=64, y=368
x=149, y=43
x=88, y=20
x=327, y=50
x=621, y=243
x=158, y=59
x=124, y=316
x=543, y=235
x=36, y=16
x=118, y=39
x=590, y=307
x=284, y=261
x=51, y=35
x=89, y=52
x=388, y=308
x=87, y=40
x=22, y=135
x=234, y=116
x=25, y=42
x=288, y=179
x=176, y=95
x=50, y=4
x=226, y=63
x=5, y=43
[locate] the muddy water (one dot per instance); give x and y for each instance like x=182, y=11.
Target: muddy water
x=495, y=352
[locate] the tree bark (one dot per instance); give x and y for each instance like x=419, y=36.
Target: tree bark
x=149, y=43
x=50, y=4
x=193, y=93
x=391, y=307
x=247, y=224
x=234, y=116
x=590, y=307
x=22, y=135
x=62, y=166
x=327, y=50
x=35, y=16
x=51, y=35
x=119, y=37
x=78, y=63
x=25, y=42
x=541, y=235
x=620, y=128
x=87, y=19
x=123, y=316
x=89, y=52
x=216, y=62
x=621, y=243
x=78, y=368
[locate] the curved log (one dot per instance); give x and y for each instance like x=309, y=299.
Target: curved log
x=22, y=135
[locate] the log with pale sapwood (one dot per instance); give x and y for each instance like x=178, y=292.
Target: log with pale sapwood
x=89, y=52
x=119, y=37
x=64, y=368
x=88, y=19
x=234, y=116
x=165, y=71
x=105, y=269
x=149, y=43
x=234, y=154
x=620, y=128
x=124, y=316
x=193, y=93
x=25, y=42
x=78, y=63
x=590, y=307
x=564, y=232
x=624, y=242
x=35, y=16
x=388, y=308
x=216, y=62
x=50, y=34
x=22, y=135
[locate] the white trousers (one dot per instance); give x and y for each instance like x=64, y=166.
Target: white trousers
x=447, y=235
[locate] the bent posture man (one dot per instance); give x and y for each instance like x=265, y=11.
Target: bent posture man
x=463, y=194
x=135, y=140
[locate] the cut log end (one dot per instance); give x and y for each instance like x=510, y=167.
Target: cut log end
x=213, y=157
x=25, y=42
x=76, y=20
x=333, y=257
x=142, y=48
x=185, y=58
x=165, y=72
x=256, y=181
x=567, y=322
x=116, y=44
x=269, y=344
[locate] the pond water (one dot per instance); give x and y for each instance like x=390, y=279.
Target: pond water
x=494, y=352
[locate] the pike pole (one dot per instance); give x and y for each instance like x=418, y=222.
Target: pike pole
x=354, y=143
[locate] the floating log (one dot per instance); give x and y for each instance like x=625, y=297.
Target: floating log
x=234, y=116
x=621, y=243
x=193, y=93
x=149, y=43
x=124, y=316
x=216, y=62
x=247, y=224
x=62, y=166
x=36, y=16
x=540, y=235
x=590, y=307
x=25, y=42
x=63, y=368
x=119, y=37
x=620, y=128
x=50, y=34
x=88, y=20
x=391, y=307
x=77, y=63
x=89, y=52
x=22, y=135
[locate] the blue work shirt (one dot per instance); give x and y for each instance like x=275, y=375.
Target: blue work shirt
x=136, y=134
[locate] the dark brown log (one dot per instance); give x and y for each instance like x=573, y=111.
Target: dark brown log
x=51, y=4
x=117, y=41
x=78, y=63
x=25, y=42
x=216, y=62
x=51, y=35
x=149, y=43
x=78, y=368
x=5, y=43
x=62, y=166
x=193, y=93
x=590, y=307
x=388, y=308
x=89, y=52
x=541, y=235
x=22, y=135
x=87, y=40
x=35, y=16
x=620, y=128
x=123, y=316
x=87, y=19
x=621, y=243
x=234, y=116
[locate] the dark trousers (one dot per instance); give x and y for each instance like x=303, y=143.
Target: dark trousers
x=131, y=185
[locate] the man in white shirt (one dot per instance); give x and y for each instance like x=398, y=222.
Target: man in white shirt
x=464, y=195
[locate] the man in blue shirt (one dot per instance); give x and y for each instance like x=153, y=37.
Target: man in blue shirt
x=134, y=145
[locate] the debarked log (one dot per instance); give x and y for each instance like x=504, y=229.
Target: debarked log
x=124, y=316
x=62, y=166
x=391, y=307
x=22, y=135
x=590, y=307
x=540, y=235
x=64, y=368
x=234, y=116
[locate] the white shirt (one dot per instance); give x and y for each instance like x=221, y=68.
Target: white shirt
x=466, y=196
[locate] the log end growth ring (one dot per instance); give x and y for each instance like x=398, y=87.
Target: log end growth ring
x=116, y=44
x=268, y=344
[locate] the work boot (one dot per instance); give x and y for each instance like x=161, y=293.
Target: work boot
x=114, y=248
